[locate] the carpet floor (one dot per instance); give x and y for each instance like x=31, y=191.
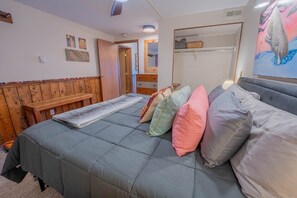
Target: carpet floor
x=28, y=188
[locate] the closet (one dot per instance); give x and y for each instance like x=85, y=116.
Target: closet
x=206, y=55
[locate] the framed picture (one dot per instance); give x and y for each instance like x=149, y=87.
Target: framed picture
x=70, y=41
x=82, y=43
x=277, y=41
x=77, y=55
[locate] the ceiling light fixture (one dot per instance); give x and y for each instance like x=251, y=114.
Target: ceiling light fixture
x=122, y=1
x=149, y=28
x=262, y=3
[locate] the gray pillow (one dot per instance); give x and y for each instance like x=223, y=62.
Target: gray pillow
x=228, y=126
x=241, y=93
x=265, y=166
x=215, y=93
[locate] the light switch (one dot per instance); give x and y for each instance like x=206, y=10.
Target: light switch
x=42, y=59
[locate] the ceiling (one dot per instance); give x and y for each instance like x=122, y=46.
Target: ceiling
x=135, y=13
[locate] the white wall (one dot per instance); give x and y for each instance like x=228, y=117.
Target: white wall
x=166, y=38
x=248, y=40
x=36, y=33
x=207, y=68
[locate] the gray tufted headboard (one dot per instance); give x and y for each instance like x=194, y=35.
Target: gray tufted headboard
x=279, y=95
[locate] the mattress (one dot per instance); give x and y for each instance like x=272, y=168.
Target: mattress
x=113, y=157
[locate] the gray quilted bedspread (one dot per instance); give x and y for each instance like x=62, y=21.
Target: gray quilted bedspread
x=113, y=157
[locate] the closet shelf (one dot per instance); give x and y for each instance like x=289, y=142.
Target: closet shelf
x=208, y=49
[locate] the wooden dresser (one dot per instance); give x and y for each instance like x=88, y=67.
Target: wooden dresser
x=146, y=83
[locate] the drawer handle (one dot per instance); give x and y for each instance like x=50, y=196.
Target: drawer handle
x=154, y=85
x=139, y=84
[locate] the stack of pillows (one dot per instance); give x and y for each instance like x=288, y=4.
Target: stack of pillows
x=183, y=111
x=233, y=124
x=217, y=122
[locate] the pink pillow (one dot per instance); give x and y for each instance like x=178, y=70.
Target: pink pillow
x=189, y=123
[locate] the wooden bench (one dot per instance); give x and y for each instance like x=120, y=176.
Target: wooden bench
x=33, y=110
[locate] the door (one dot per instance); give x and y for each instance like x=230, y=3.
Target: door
x=125, y=59
x=108, y=69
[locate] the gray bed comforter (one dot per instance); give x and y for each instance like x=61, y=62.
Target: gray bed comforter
x=113, y=157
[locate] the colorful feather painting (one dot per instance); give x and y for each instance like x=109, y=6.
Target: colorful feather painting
x=276, y=53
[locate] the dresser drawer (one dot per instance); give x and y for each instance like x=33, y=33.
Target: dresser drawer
x=147, y=77
x=146, y=91
x=143, y=84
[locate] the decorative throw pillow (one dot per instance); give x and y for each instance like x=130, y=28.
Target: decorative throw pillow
x=228, y=126
x=265, y=166
x=215, y=93
x=241, y=93
x=166, y=110
x=189, y=122
x=148, y=110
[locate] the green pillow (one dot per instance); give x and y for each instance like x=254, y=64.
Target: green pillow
x=165, y=111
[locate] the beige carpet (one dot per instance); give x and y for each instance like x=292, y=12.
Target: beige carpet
x=28, y=188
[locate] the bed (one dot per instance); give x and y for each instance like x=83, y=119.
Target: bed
x=113, y=157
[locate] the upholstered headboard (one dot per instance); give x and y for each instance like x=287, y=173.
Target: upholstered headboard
x=279, y=95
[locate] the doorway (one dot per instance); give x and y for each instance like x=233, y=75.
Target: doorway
x=128, y=65
x=125, y=65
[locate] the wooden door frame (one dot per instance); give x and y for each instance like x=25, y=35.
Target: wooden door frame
x=131, y=41
x=130, y=88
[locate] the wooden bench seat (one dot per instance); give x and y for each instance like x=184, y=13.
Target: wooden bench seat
x=33, y=110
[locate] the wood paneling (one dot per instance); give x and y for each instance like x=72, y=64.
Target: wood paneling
x=46, y=91
x=13, y=95
x=55, y=90
x=15, y=108
x=6, y=127
x=35, y=93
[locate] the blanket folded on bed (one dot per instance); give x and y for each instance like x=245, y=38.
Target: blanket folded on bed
x=82, y=117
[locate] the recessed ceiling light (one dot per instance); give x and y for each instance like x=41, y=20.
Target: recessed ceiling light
x=149, y=28
x=121, y=1
x=124, y=35
x=262, y=3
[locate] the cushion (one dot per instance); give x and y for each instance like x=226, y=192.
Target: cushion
x=148, y=110
x=241, y=93
x=228, y=126
x=266, y=164
x=189, y=122
x=164, y=114
x=215, y=93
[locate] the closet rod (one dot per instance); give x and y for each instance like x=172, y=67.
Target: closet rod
x=210, y=49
